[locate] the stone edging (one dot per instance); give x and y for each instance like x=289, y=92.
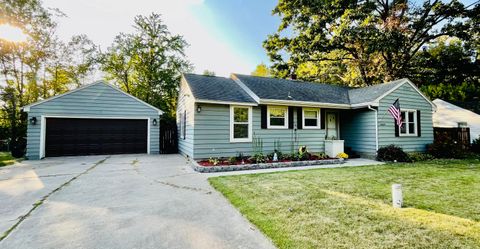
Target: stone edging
x=223, y=168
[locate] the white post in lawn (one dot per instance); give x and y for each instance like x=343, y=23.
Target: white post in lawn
x=397, y=197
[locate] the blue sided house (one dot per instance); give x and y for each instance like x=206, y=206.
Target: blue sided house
x=222, y=117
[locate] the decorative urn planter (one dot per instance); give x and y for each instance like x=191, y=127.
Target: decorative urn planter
x=333, y=147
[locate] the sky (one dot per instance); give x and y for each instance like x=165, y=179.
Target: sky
x=224, y=36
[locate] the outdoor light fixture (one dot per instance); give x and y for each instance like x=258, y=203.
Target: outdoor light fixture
x=199, y=108
x=154, y=122
x=33, y=121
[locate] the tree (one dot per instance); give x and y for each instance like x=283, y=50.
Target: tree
x=375, y=40
x=41, y=66
x=208, y=73
x=448, y=70
x=148, y=63
x=261, y=70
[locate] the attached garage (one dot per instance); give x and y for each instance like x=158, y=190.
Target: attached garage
x=97, y=119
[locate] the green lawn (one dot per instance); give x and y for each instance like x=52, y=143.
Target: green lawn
x=351, y=207
x=6, y=159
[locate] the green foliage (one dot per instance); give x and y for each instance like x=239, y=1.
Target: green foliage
x=6, y=159
x=208, y=73
x=232, y=160
x=476, y=145
x=303, y=153
x=419, y=156
x=257, y=145
x=392, y=153
x=41, y=66
x=148, y=63
x=445, y=147
x=446, y=70
x=214, y=160
x=258, y=158
x=361, y=43
x=261, y=70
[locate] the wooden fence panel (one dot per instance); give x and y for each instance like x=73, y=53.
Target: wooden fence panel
x=461, y=135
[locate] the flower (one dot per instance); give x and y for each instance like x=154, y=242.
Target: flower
x=342, y=155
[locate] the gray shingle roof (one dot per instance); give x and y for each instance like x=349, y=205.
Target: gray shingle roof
x=217, y=89
x=371, y=93
x=280, y=89
x=226, y=89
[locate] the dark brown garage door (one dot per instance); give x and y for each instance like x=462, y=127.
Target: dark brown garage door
x=72, y=136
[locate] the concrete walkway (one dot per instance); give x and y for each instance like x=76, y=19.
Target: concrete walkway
x=125, y=201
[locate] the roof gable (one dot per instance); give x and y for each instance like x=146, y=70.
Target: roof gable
x=101, y=88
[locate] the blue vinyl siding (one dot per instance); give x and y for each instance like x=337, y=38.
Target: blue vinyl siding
x=186, y=104
x=409, y=99
x=212, y=135
x=97, y=100
x=358, y=130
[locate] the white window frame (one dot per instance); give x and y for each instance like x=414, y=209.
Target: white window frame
x=406, y=121
x=285, y=126
x=232, y=122
x=318, y=118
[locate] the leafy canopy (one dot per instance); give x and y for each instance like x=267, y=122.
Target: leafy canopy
x=148, y=62
x=360, y=42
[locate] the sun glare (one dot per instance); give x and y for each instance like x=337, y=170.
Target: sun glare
x=11, y=33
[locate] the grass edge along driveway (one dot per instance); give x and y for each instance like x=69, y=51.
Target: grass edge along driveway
x=351, y=207
x=6, y=159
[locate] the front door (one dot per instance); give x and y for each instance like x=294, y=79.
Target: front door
x=332, y=126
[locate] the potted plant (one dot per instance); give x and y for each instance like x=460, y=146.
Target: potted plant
x=333, y=146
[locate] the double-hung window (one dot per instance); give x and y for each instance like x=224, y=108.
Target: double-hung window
x=277, y=117
x=409, y=126
x=240, y=124
x=311, y=118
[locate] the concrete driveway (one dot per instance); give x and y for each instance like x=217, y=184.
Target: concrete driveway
x=124, y=201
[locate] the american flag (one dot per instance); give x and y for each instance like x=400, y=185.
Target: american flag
x=394, y=110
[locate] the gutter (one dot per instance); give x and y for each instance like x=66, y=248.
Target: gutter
x=376, y=127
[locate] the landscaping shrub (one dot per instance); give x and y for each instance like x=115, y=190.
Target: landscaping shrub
x=445, y=147
x=18, y=147
x=392, y=153
x=476, y=145
x=420, y=157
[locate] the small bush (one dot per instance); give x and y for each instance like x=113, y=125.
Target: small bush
x=420, y=157
x=18, y=147
x=232, y=160
x=392, y=153
x=445, y=147
x=476, y=145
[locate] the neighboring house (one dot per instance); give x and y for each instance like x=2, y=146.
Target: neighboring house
x=95, y=119
x=219, y=117
x=449, y=115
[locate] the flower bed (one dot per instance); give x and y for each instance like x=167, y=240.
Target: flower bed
x=206, y=166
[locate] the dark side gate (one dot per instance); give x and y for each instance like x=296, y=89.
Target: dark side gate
x=168, y=137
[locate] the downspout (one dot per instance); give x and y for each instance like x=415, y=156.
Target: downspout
x=376, y=127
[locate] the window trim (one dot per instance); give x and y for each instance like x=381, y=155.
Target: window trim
x=285, y=126
x=232, y=122
x=318, y=117
x=406, y=121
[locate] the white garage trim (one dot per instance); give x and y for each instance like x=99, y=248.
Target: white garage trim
x=43, y=128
